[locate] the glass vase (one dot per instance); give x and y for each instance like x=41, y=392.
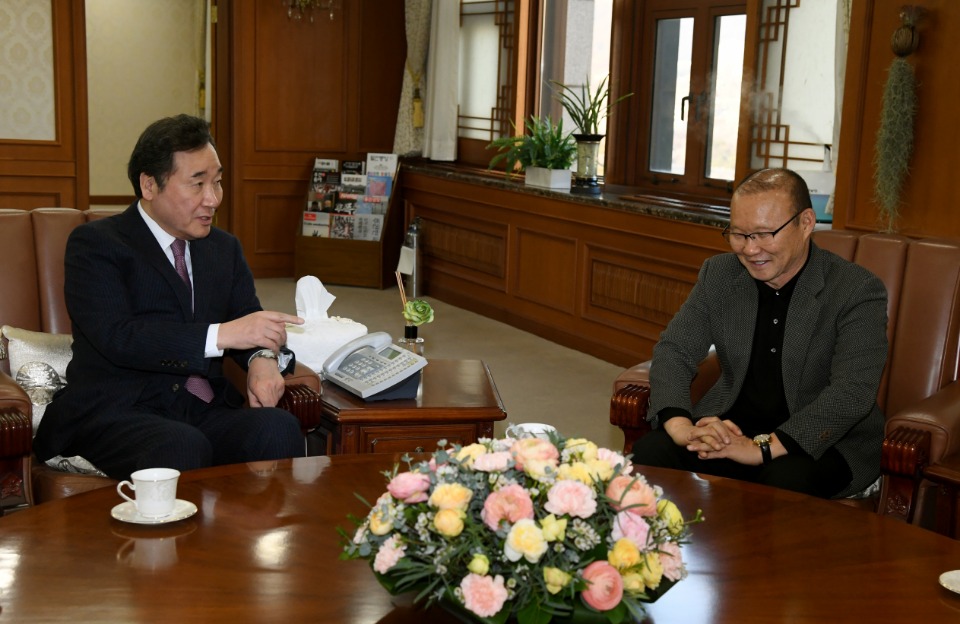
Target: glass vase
x=585, y=179
x=411, y=341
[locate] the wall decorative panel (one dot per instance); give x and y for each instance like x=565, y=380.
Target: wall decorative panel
x=597, y=279
x=546, y=270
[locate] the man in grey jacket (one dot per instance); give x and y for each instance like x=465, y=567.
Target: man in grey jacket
x=800, y=334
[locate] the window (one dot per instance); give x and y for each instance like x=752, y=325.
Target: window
x=688, y=82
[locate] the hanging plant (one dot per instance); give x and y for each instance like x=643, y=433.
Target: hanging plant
x=894, y=145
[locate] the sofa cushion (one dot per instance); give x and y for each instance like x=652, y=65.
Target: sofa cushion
x=38, y=363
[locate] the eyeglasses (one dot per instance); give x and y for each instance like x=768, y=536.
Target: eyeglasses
x=736, y=239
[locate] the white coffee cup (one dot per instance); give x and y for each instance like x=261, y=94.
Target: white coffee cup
x=530, y=430
x=155, y=491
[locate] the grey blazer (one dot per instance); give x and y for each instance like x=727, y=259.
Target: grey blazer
x=834, y=352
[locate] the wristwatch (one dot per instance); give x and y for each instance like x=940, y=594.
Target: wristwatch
x=763, y=441
x=285, y=359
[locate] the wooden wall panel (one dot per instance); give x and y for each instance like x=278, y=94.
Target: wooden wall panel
x=36, y=173
x=931, y=194
x=546, y=270
x=298, y=91
x=600, y=280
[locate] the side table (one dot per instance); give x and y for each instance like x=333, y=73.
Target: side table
x=457, y=401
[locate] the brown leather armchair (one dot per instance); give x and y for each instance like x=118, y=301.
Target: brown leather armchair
x=919, y=391
x=33, y=244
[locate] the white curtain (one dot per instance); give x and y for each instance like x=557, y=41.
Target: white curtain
x=839, y=77
x=408, y=140
x=443, y=69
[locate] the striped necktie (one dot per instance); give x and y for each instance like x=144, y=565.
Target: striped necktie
x=196, y=385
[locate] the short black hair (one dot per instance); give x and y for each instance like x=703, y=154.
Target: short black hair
x=777, y=179
x=153, y=153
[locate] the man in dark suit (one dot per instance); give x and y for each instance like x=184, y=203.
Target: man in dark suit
x=157, y=297
x=800, y=334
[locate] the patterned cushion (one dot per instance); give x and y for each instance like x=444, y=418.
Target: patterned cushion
x=38, y=363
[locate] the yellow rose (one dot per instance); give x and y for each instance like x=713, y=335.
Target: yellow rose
x=467, y=454
x=449, y=522
x=577, y=471
x=554, y=530
x=624, y=554
x=669, y=513
x=525, y=540
x=633, y=583
x=556, y=579
x=451, y=496
x=600, y=469
x=381, y=521
x=479, y=564
x=586, y=449
x=651, y=570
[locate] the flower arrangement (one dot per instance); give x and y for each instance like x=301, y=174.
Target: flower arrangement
x=532, y=528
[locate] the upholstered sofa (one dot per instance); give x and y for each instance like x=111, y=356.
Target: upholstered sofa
x=919, y=391
x=31, y=274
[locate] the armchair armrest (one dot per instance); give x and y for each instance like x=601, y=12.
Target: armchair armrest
x=301, y=397
x=12, y=396
x=917, y=437
x=939, y=415
x=631, y=396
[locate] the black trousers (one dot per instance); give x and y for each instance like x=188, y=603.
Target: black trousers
x=824, y=477
x=192, y=435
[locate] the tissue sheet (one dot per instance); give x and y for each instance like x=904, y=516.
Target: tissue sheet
x=320, y=335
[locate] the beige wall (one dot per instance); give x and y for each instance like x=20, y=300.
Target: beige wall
x=144, y=59
x=26, y=71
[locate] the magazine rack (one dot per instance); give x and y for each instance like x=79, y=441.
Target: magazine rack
x=350, y=262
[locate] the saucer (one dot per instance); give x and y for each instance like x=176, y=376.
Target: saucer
x=127, y=512
x=951, y=580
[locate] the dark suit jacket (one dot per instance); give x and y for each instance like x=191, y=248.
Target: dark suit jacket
x=834, y=351
x=135, y=337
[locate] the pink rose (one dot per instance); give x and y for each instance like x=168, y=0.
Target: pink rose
x=409, y=487
x=632, y=494
x=389, y=554
x=631, y=526
x=510, y=503
x=492, y=462
x=672, y=561
x=483, y=595
x=572, y=498
x=535, y=456
x=615, y=459
x=604, y=586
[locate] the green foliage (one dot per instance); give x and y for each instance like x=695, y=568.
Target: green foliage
x=546, y=145
x=587, y=108
x=894, y=145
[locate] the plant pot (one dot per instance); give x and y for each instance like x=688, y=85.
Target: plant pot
x=585, y=178
x=542, y=177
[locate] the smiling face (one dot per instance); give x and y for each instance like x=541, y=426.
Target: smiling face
x=777, y=261
x=185, y=206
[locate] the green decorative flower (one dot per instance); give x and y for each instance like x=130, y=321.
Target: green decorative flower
x=418, y=312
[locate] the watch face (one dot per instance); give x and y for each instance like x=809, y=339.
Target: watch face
x=763, y=438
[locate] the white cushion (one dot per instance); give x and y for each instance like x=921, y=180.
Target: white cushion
x=38, y=363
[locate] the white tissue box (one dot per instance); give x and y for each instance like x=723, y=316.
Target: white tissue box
x=316, y=340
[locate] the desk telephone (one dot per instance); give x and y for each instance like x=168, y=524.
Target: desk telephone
x=370, y=364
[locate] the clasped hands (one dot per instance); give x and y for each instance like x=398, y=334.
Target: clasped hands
x=267, y=330
x=713, y=438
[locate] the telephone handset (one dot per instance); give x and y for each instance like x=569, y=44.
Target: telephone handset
x=370, y=364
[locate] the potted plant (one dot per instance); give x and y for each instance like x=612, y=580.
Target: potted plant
x=587, y=108
x=545, y=154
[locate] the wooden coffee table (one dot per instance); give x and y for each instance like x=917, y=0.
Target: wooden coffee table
x=263, y=548
x=458, y=401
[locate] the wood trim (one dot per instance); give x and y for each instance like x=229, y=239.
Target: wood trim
x=112, y=200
